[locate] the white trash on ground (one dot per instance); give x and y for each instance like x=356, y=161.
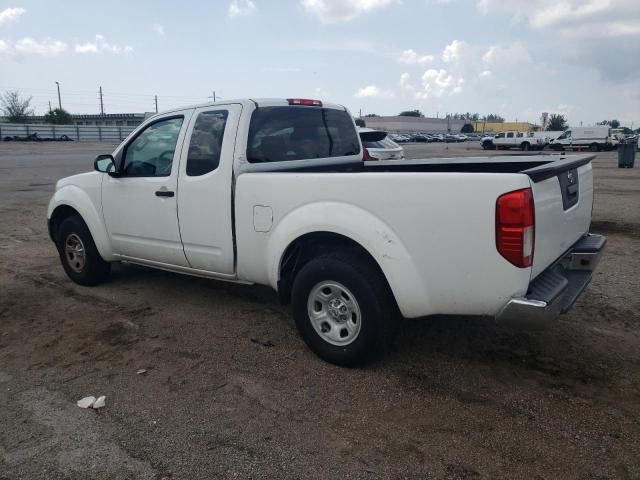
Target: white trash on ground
x=86, y=402
x=92, y=402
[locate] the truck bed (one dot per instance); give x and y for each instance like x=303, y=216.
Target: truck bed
x=537, y=167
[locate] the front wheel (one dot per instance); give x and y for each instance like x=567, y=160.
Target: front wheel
x=78, y=253
x=343, y=308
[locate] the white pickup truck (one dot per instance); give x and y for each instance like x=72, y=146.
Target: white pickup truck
x=275, y=192
x=507, y=140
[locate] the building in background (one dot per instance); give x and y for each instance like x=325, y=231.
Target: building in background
x=414, y=124
x=481, y=126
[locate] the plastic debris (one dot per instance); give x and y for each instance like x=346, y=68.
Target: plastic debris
x=86, y=402
x=100, y=402
x=142, y=371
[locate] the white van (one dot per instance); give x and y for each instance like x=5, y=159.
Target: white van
x=594, y=138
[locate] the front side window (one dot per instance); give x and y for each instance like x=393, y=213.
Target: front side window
x=206, y=142
x=279, y=134
x=510, y=135
x=150, y=154
x=500, y=135
x=566, y=134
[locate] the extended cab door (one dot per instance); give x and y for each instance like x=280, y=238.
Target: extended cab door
x=140, y=205
x=205, y=195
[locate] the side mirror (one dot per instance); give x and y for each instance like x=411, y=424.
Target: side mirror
x=105, y=163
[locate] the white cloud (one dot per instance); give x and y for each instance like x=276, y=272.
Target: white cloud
x=404, y=81
x=158, y=29
x=486, y=75
x=510, y=55
x=595, y=34
x=100, y=45
x=572, y=17
x=438, y=83
x=454, y=52
x=29, y=46
x=410, y=57
x=241, y=7
x=329, y=11
x=9, y=15
x=371, y=91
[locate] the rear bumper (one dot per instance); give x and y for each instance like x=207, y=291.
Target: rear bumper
x=555, y=290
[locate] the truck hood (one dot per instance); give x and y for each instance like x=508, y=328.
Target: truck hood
x=83, y=180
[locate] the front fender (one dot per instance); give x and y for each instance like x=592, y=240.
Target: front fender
x=76, y=198
x=361, y=226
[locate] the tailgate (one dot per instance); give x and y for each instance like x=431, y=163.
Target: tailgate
x=563, y=197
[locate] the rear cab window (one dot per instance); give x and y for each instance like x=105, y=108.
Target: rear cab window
x=290, y=133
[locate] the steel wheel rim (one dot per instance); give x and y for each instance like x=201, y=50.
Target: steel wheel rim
x=74, y=252
x=334, y=313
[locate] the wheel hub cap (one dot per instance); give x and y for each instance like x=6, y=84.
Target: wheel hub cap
x=334, y=313
x=74, y=252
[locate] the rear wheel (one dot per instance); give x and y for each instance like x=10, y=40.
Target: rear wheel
x=78, y=253
x=594, y=147
x=343, y=308
x=525, y=146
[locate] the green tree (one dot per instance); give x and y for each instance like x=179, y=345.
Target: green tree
x=15, y=107
x=467, y=128
x=360, y=123
x=411, y=113
x=494, y=117
x=611, y=123
x=59, y=116
x=371, y=115
x=556, y=122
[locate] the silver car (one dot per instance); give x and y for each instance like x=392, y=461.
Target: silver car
x=378, y=146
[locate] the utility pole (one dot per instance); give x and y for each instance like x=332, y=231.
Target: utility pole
x=156, y=99
x=49, y=106
x=101, y=104
x=59, y=100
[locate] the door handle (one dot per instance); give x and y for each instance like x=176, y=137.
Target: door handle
x=164, y=193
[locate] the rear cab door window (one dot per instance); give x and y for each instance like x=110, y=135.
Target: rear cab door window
x=292, y=136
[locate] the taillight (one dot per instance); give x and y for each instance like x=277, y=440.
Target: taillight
x=304, y=101
x=515, y=227
x=366, y=156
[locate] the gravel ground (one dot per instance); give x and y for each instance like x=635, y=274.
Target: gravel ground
x=230, y=391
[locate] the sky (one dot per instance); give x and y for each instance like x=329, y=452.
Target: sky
x=517, y=58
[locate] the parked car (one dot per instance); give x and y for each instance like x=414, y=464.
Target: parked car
x=275, y=192
x=378, y=146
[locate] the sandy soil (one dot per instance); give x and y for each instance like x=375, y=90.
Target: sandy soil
x=230, y=391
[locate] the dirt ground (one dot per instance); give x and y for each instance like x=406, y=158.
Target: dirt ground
x=230, y=390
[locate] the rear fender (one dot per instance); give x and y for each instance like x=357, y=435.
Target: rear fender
x=361, y=226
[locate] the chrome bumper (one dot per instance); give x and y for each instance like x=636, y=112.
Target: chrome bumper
x=555, y=290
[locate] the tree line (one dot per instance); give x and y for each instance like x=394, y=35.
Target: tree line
x=17, y=109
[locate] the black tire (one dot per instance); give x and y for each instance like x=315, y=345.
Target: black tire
x=378, y=317
x=487, y=145
x=93, y=270
x=594, y=147
x=524, y=146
